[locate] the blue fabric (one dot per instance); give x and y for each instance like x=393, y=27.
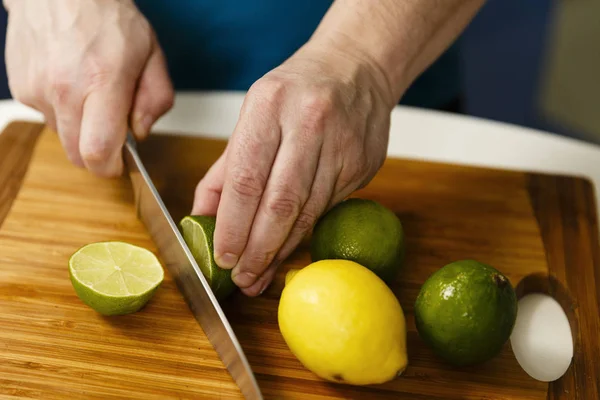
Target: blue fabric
x=228, y=45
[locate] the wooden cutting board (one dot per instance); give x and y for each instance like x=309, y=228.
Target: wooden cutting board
x=540, y=230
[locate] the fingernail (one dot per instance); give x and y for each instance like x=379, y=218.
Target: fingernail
x=226, y=261
x=141, y=124
x=244, y=279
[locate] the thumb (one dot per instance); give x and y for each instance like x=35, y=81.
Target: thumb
x=104, y=127
x=154, y=95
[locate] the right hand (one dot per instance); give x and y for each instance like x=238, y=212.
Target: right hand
x=93, y=68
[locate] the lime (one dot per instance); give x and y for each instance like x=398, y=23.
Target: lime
x=115, y=278
x=343, y=323
x=362, y=231
x=466, y=311
x=198, y=232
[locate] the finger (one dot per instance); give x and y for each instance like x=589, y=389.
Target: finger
x=208, y=190
x=252, y=151
x=261, y=283
x=286, y=192
x=154, y=95
x=67, y=108
x=104, y=127
x=345, y=187
x=320, y=195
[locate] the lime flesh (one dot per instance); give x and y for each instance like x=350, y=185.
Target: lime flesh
x=198, y=232
x=115, y=278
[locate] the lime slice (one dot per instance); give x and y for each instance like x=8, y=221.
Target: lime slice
x=115, y=278
x=198, y=231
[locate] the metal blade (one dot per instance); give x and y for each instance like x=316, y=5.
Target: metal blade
x=186, y=273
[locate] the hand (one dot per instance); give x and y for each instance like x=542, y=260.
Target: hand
x=91, y=67
x=310, y=132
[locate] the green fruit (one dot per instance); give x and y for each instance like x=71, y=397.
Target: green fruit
x=198, y=232
x=115, y=278
x=465, y=312
x=362, y=231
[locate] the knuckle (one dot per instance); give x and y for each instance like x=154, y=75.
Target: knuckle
x=304, y=222
x=246, y=184
x=61, y=89
x=266, y=93
x=98, y=72
x=269, y=87
x=284, y=204
x=232, y=241
x=257, y=261
x=318, y=102
x=97, y=151
x=351, y=176
x=316, y=108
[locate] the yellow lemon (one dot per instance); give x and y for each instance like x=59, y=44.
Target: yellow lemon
x=343, y=323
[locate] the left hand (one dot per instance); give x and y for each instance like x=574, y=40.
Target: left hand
x=310, y=132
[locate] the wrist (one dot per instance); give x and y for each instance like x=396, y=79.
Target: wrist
x=366, y=32
x=398, y=38
x=351, y=64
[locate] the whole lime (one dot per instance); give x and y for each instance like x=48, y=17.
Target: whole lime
x=465, y=312
x=363, y=231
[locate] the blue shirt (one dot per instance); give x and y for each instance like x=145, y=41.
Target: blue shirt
x=228, y=45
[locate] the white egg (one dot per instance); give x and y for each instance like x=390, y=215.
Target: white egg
x=541, y=339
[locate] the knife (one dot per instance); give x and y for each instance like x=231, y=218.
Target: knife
x=187, y=275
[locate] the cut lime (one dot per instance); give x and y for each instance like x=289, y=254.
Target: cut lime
x=115, y=278
x=198, y=231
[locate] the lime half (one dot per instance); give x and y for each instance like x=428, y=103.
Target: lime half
x=115, y=278
x=198, y=232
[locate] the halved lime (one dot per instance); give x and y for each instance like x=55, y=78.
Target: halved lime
x=115, y=278
x=198, y=232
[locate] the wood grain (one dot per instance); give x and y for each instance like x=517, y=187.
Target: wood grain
x=54, y=347
x=571, y=244
x=16, y=146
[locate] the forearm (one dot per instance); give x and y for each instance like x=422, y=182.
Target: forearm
x=400, y=38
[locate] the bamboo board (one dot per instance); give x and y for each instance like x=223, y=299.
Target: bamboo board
x=540, y=230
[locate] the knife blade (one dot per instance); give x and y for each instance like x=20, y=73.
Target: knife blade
x=187, y=274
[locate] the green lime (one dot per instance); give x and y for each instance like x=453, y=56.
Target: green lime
x=115, y=278
x=198, y=232
x=362, y=231
x=465, y=312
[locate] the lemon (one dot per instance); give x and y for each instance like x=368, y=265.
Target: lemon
x=343, y=323
x=363, y=231
x=198, y=232
x=115, y=278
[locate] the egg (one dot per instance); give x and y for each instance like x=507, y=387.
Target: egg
x=541, y=339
